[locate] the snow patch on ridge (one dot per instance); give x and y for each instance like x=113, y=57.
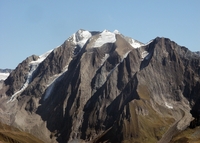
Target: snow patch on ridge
x=4, y=76
x=135, y=44
x=168, y=105
x=126, y=54
x=41, y=58
x=144, y=54
x=33, y=66
x=81, y=37
x=105, y=37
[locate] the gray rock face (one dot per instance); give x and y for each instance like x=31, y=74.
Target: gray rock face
x=97, y=87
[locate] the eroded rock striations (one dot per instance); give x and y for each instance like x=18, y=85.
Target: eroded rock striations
x=104, y=87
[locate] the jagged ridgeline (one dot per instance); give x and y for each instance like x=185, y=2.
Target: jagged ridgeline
x=106, y=87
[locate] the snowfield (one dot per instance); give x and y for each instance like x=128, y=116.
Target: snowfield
x=3, y=76
x=81, y=37
x=105, y=37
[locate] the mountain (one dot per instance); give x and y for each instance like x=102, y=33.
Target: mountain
x=105, y=87
x=198, y=53
x=5, y=70
x=4, y=73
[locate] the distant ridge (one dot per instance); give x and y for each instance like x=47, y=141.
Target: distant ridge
x=5, y=70
x=4, y=73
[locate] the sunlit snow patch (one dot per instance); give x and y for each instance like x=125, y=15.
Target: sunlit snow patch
x=144, y=54
x=41, y=58
x=33, y=66
x=105, y=37
x=135, y=44
x=3, y=76
x=168, y=105
x=81, y=37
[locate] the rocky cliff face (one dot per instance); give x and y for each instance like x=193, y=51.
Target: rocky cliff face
x=104, y=87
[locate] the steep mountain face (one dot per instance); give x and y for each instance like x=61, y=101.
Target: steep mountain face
x=104, y=87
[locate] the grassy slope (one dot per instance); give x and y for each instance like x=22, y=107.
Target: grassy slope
x=12, y=135
x=145, y=129
x=187, y=136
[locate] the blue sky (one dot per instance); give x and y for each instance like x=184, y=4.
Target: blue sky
x=35, y=26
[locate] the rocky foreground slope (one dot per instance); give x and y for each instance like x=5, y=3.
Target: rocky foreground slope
x=104, y=87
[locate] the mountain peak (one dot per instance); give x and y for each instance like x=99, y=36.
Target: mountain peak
x=99, y=85
x=116, y=32
x=81, y=36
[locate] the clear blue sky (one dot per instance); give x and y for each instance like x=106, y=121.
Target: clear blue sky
x=35, y=26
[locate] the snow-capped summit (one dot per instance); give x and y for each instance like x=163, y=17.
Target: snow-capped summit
x=134, y=43
x=80, y=37
x=105, y=37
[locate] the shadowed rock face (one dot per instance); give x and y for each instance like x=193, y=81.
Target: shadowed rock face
x=95, y=91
